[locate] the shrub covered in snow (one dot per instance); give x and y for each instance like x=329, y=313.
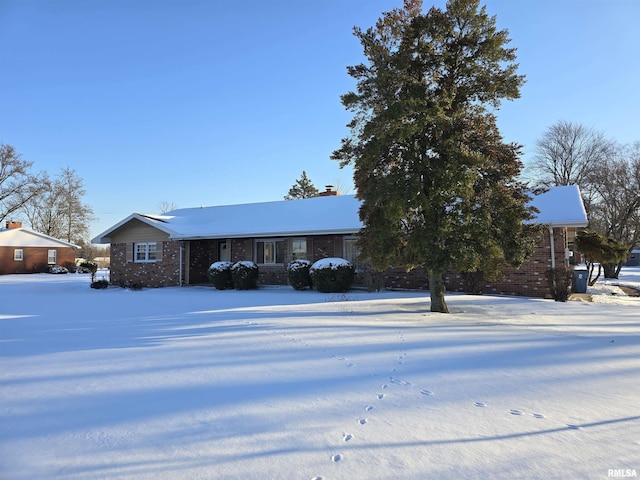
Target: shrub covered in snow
x=219, y=274
x=332, y=275
x=57, y=269
x=244, y=275
x=298, y=274
x=100, y=284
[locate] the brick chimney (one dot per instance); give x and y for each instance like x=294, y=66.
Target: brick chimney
x=14, y=224
x=329, y=192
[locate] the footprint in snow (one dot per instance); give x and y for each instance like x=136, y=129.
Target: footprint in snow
x=571, y=426
x=369, y=408
x=317, y=478
x=516, y=412
x=538, y=415
x=347, y=437
x=427, y=393
x=480, y=404
x=398, y=381
x=380, y=396
x=336, y=458
x=362, y=421
x=385, y=385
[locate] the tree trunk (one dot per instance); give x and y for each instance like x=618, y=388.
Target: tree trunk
x=611, y=270
x=436, y=291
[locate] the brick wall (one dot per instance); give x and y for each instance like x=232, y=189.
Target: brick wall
x=202, y=253
x=164, y=273
x=35, y=259
x=528, y=280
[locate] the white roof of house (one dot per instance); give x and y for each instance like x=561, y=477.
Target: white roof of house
x=560, y=206
x=24, y=237
x=310, y=216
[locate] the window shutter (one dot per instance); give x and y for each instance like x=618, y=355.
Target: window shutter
x=159, y=251
x=129, y=252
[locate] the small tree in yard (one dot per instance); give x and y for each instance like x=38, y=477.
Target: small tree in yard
x=598, y=249
x=438, y=183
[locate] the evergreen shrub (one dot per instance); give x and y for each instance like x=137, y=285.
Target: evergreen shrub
x=332, y=275
x=219, y=275
x=100, y=284
x=298, y=274
x=244, y=275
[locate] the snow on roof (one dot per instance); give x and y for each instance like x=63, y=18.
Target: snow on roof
x=24, y=237
x=560, y=206
x=310, y=216
x=320, y=215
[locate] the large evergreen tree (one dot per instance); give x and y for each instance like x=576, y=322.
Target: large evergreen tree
x=438, y=183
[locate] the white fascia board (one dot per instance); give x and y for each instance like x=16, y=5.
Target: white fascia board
x=274, y=234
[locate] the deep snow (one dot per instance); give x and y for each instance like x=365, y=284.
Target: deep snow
x=279, y=384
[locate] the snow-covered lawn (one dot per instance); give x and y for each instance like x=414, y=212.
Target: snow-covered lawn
x=194, y=383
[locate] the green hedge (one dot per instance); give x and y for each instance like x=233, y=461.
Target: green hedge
x=219, y=274
x=244, y=275
x=298, y=274
x=332, y=275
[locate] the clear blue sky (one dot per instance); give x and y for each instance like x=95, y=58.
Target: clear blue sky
x=217, y=102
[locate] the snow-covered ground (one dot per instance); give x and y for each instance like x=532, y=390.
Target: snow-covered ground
x=194, y=383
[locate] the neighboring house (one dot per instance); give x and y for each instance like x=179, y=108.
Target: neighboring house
x=633, y=260
x=24, y=251
x=178, y=247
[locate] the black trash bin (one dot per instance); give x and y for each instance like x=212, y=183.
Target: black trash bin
x=580, y=278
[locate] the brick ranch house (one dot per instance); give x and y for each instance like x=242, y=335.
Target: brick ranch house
x=25, y=251
x=178, y=247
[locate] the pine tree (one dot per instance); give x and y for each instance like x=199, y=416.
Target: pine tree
x=303, y=188
x=438, y=183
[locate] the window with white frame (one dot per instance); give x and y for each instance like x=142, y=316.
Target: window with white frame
x=52, y=257
x=269, y=251
x=145, y=252
x=299, y=248
x=350, y=251
x=18, y=255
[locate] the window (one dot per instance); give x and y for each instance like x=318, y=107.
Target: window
x=18, y=255
x=52, y=257
x=299, y=248
x=351, y=252
x=269, y=251
x=145, y=252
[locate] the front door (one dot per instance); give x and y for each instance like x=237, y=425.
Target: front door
x=223, y=252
